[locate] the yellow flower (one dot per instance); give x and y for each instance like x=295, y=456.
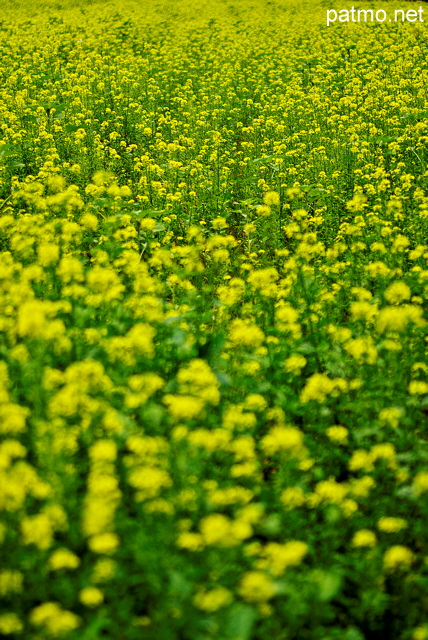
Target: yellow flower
x=286, y=314
x=361, y=460
x=331, y=491
x=251, y=513
x=263, y=210
x=282, y=556
x=234, y=417
x=249, y=228
x=282, y=439
x=420, y=483
x=385, y=451
x=391, y=416
x=391, y=525
x=349, y=507
x=317, y=388
x=293, y=497
x=396, y=319
x=271, y=198
x=358, y=203
x=31, y=321
x=256, y=586
x=47, y=253
x=251, y=367
x=240, y=529
x=20, y=353
x=243, y=332
x=149, y=481
x=104, y=285
x=216, y=530
x=219, y=223
x=417, y=387
x=184, y=407
x=337, y=433
x=37, y=530
x=103, y=450
x=100, y=178
x=295, y=363
x=89, y=221
x=255, y=402
x=213, y=600
x=104, y=569
x=10, y=582
x=55, y=620
x=147, y=224
x=360, y=487
x=10, y=624
x=191, y=541
x=198, y=379
x=397, y=557
x=91, y=596
x=397, y=292
x=363, y=310
x=63, y=559
x=420, y=633
x=104, y=543
x=56, y=184
x=69, y=269
x=363, y=350
x=364, y=538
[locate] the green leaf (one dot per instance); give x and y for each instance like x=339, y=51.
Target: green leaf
x=353, y=634
x=148, y=213
x=29, y=117
x=153, y=413
x=178, y=337
x=240, y=622
x=272, y=525
x=179, y=587
x=328, y=584
x=223, y=378
x=306, y=347
x=7, y=150
x=97, y=625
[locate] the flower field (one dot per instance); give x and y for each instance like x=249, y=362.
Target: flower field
x=213, y=322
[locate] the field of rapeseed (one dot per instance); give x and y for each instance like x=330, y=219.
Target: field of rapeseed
x=213, y=321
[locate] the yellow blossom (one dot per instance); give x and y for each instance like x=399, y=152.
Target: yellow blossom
x=63, y=559
x=397, y=292
x=256, y=586
x=103, y=543
x=364, y=538
x=10, y=624
x=57, y=621
x=213, y=600
x=91, y=596
x=397, y=557
x=391, y=525
x=420, y=483
x=337, y=433
x=271, y=198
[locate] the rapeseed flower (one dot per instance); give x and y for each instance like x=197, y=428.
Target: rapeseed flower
x=213, y=600
x=364, y=538
x=397, y=557
x=256, y=586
